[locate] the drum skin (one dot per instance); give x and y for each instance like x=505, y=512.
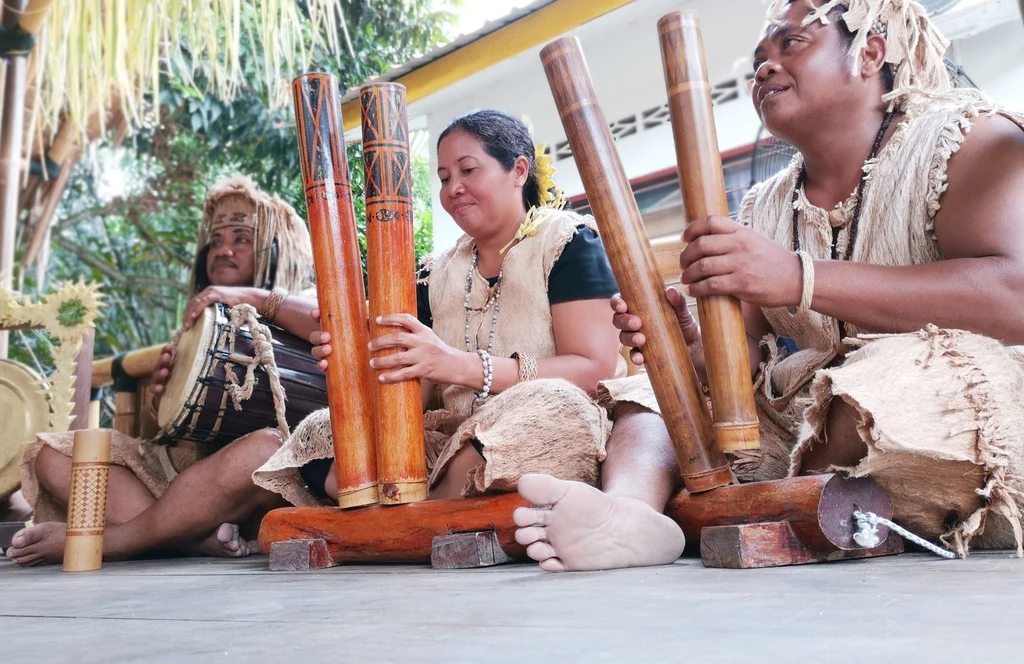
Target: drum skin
x=196, y=406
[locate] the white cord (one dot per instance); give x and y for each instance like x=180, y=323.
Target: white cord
x=867, y=534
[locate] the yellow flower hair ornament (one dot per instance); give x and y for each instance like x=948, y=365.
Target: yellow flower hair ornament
x=551, y=195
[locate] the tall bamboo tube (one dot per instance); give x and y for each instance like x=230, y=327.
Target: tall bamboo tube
x=87, y=500
x=339, y=285
x=667, y=359
x=11, y=138
x=700, y=176
x=391, y=265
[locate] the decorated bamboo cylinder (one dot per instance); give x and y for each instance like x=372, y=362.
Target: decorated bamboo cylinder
x=87, y=500
x=391, y=266
x=339, y=285
x=700, y=175
x=622, y=230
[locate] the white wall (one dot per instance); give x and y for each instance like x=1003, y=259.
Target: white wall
x=994, y=59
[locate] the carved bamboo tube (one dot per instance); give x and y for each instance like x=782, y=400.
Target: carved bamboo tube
x=339, y=285
x=666, y=356
x=391, y=266
x=87, y=500
x=700, y=175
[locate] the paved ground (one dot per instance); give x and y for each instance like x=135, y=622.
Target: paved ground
x=913, y=608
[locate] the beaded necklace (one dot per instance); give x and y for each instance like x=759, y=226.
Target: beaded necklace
x=492, y=300
x=851, y=243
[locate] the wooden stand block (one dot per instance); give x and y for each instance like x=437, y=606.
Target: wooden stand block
x=467, y=551
x=300, y=555
x=774, y=544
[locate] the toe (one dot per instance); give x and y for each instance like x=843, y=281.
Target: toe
x=541, y=551
x=552, y=565
x=527, y=516
x=527, y=536
x=542, y=489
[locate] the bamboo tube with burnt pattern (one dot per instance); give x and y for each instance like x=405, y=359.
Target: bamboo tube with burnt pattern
x=700, y=175
x=666, y=356
x=391, y=266
x=87, y=500
x=339, y=286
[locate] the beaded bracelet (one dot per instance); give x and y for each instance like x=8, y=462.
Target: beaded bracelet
x=482, y=395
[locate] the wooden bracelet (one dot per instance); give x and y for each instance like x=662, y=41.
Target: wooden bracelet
x=527, y=367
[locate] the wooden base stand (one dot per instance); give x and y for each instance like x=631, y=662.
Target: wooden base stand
x=399, y=533
x=793, y=521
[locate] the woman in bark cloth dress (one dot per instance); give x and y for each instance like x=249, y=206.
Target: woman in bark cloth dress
x=252, y=249
x=529, y=285
x=905, y=299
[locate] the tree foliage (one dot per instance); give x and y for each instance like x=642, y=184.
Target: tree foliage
x=139, y=241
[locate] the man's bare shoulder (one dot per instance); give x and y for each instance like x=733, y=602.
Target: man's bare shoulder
x=993, y=143
x=984, y=199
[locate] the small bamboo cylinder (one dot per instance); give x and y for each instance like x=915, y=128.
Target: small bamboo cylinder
x=391, y=266
x=700, y=175
x=666, y=356
x=339, y=285
x=87, y=500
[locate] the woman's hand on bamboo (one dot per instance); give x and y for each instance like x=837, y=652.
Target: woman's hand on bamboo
x=230, y=296
x=419, y=353
x=724, y=258
x=630, y=327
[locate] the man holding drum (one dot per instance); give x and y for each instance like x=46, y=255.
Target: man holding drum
x=905, y=299
x=252, y=249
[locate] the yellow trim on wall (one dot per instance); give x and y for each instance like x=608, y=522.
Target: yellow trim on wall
x=541, y=26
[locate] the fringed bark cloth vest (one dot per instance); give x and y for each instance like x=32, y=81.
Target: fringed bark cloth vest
x=542, y=426
x=942, y=411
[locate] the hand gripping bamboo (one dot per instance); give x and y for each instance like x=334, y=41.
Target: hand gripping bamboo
x=391, y=265
x=87, y=500
x=700, y=175
x=339, y=285
x=667, y=359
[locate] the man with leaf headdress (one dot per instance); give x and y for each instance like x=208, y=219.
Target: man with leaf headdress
x=252, y=249
x=905, y=298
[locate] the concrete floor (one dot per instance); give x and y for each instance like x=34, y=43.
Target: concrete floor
x=912, y=608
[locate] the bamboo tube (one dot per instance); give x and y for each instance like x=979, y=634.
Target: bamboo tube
x=391, y=266
x=700, y=176
x=87, y=500
x=11, y=138
x=339, y=285
x=141, y=363
x=667, y=359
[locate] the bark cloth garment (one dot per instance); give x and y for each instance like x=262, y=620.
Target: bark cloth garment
x=941, y=411
x=541, y=426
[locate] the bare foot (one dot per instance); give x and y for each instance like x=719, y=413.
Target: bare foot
x=575, y=527
x=39, y=545
x=225, y=542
